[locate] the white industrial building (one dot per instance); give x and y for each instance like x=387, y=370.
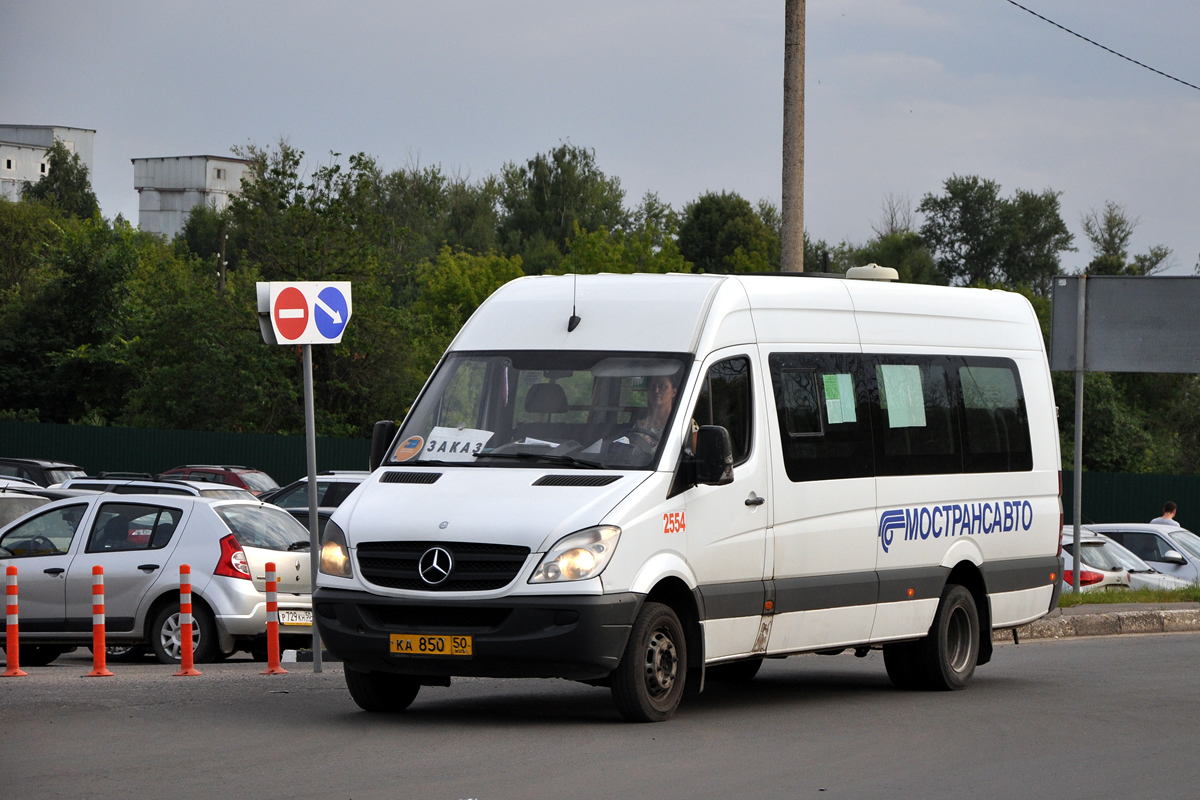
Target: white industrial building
x=169, y=188
x=23, y=153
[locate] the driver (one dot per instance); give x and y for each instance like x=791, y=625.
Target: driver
x=660, y=399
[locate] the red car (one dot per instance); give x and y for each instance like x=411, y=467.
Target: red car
x=252, y=480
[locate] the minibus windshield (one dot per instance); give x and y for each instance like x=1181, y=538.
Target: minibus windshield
x=570, y=409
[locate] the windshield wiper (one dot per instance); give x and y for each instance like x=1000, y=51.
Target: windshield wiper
x=551, y=457
x=298, y=546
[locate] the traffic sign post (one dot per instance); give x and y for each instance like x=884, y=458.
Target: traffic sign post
x=306, y=313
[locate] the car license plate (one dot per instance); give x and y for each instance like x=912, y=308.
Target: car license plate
x=291, y=617
x=414, y=645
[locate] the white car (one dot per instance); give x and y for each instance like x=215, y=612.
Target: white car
x=140, y=541
x=1141, y=574
x=1101, y=570
x=164, y=486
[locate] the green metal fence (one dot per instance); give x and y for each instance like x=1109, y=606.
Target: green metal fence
x=151, y=450
x=1116, y=497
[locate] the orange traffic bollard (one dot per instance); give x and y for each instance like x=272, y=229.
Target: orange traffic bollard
x=273, y=667
x=186, y=667
x=12, y=646
x=99, y=669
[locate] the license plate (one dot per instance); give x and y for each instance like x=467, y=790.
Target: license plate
x=290, y=617
x=413, y=645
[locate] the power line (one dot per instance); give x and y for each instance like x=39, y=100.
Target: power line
x=1102, y=47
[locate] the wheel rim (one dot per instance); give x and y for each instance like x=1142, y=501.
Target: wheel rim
x=171, y=637
x=662, y=663
x=958, y=640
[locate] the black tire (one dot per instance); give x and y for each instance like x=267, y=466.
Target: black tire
x=164, y=635
x=123, y=653
x=648, y=683
x=950, y=651
x=737, y=672
x=40, y=655
x=381, y=692
x=903, y=663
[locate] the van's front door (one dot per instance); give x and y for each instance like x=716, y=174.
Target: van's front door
x=726, y=526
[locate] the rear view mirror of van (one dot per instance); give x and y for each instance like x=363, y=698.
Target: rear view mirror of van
x=381, y=437
x=714, y=456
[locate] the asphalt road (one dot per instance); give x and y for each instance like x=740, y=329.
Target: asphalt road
x=1091, y=717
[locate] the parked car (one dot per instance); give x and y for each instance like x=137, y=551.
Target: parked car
x=15, y=503
x=140, y=541
x=1141, y=574
x=165, y=486
x=1101, y=570
x=332, y=488
x=254, y=481
x=1170, y=550
x=41, y=472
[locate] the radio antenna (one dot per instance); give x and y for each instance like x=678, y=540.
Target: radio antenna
x=573, y=322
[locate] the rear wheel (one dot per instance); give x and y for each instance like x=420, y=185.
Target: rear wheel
x=40, y=655
x=167, y=644
x=950, y=651
x=381, y=691
x=738, y=672
x=648, y=683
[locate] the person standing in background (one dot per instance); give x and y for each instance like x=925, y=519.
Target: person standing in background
x=1168, y=516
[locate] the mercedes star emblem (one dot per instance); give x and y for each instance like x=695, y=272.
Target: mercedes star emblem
x=435, y=565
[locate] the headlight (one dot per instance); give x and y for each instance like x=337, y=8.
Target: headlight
x=335, y=555
x=578, y=556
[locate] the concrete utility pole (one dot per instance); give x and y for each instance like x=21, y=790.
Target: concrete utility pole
x=792, y=236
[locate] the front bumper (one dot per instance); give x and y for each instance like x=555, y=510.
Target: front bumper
x=580, y=637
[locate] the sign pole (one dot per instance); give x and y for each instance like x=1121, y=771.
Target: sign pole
x=1077, y=472
x=310, y=440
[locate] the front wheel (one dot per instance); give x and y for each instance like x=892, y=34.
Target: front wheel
x=950, y=651
x=381, y=691
x=648, y=683
x=167, y=644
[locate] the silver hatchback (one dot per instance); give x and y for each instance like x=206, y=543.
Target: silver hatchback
x=140, y=541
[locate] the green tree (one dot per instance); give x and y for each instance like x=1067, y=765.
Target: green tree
x=65, y=185
x=543, y=200
x=724, y=233
x=978, y=237
x=29, y=232
x=1109, y=231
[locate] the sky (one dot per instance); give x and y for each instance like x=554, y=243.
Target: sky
x=675, y=97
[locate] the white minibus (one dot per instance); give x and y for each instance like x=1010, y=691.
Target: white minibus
x=649, y=481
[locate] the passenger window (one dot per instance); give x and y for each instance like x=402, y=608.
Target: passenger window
x=1145, y=546
x=132, y=526
x=47, y=534
x=819, y=400
x=463, y=397
x=726, y=400
x=918, y=420
x=298, y=496
x=995, y=423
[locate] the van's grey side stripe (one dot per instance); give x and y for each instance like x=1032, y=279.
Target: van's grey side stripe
x=726, y=600
x=926, y=582
x=811, y=593
x=1020, y=573
x=825, y=591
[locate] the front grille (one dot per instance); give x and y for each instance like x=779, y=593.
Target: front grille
x=576, y=480
x=477, y=567
x=438, y=618
x=410, y=477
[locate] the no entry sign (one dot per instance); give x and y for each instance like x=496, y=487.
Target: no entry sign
x=304, y=312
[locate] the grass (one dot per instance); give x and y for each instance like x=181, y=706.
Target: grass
x=1188, y=595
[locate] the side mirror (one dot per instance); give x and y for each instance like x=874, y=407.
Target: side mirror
x=714, y=456
x=381, y=437
x=1174, y=557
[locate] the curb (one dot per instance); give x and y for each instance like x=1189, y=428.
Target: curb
x=1111, y=624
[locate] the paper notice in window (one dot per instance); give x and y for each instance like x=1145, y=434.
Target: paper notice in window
x=903, y=397
x=454, y=444
x=839, y=399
